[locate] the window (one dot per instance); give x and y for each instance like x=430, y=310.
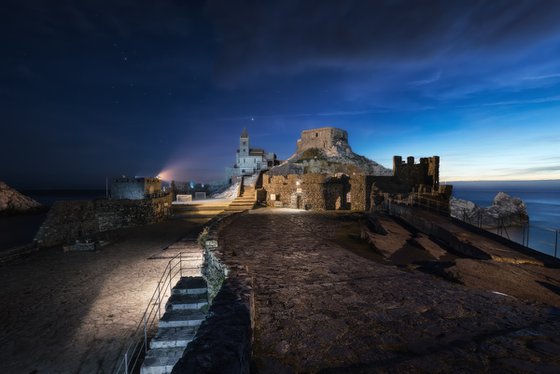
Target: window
x=244, y=142
x=316, y=134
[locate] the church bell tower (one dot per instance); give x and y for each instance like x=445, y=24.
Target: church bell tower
x=244, y=144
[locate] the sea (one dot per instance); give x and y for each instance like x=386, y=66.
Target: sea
x=542, y=199
x=17, y=231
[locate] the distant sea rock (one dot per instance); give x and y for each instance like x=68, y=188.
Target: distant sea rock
x=13, y=202
x=505, y=210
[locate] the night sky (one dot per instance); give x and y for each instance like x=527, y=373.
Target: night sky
x=95, y=88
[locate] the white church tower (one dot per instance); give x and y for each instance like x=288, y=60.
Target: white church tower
x=243, y=144
x=249, y=161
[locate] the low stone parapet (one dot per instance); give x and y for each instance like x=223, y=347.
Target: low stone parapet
x=68, y=221
x=223, y=341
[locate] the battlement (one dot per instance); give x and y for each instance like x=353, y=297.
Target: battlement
x=322, y=138
x=426, y=172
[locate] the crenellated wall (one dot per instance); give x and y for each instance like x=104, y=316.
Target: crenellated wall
x=426, y=172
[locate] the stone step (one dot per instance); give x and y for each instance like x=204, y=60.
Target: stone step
x=174, y=337
x=199, y=207
x=190, y=286
x=239, y=209
x=181, y=318
x=241, y=202
x=188, y=301
x=161, y=361
x=193, y=217
x=244, y=203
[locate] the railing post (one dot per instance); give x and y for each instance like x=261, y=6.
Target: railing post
x=170, y=288
x=556, y=243
x=181, y=263
x=126, y=362
x=159, y=301
x=145, y=334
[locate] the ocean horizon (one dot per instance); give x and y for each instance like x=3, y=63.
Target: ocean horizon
x=542, y=198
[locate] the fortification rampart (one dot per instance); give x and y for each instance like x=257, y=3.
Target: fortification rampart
x=68, y=221
x=426, y=172
x=307, y=191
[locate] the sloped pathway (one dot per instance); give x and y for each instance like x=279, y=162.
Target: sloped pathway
x=320, y=307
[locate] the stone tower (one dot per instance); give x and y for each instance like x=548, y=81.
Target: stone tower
x=244, y=144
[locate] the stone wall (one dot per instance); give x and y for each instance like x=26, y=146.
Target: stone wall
x=223, y=343
x=307, y=191
x=429, y=227
x=322, y=138
x=68, y=221
x=134, y=188
x=426, y=172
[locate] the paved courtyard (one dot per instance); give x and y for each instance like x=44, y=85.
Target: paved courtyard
x=72, y=312
x=325, y=304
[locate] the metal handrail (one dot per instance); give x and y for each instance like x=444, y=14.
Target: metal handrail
x=137, y=347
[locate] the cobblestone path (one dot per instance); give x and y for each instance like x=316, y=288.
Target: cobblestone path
x=320, y=307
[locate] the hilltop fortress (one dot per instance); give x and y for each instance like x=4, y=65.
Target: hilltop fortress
x=325, y=174
x=329, y=139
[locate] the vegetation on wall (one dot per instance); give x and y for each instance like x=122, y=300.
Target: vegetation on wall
x=312, y=154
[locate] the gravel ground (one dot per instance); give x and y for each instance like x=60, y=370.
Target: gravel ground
x=71, y=312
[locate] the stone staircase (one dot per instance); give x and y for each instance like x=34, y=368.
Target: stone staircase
x=246, y=201
x=202, y=210
x=185, y=310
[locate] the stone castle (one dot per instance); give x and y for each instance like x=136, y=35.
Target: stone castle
x=324, y=174
x=326, y=138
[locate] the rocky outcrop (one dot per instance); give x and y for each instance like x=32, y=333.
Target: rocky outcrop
x=327, y=151
x=13, y=202
x=504, y=211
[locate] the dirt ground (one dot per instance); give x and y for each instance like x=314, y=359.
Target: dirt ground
x=327, y=302
x=71, y=312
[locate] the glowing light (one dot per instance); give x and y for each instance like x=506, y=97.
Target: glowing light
x=165, y=175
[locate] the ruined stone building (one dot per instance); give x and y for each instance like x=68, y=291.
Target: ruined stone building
x=325, y=138
x=134, y=188
x=324, y=174
x=249, y=161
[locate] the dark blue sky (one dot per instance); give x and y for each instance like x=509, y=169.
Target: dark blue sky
x=95, y=88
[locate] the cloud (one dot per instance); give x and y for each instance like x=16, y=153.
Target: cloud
x=292, y=36
x=429, y=80
x=545, y=76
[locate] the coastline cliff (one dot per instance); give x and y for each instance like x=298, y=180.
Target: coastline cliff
x=505, y=210
x=14, y=202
